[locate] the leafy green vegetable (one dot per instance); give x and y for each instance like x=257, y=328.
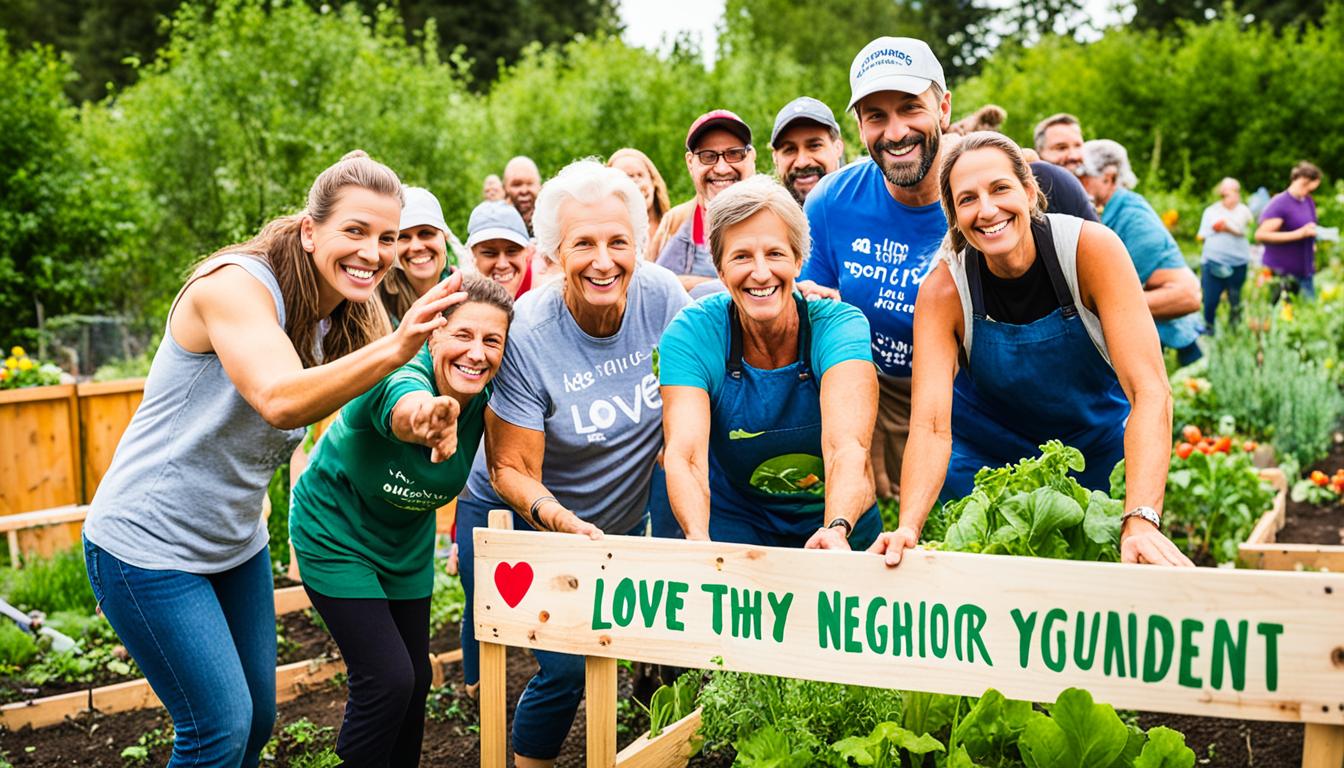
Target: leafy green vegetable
x=770, y=748
x=1165, y=749
x=1077, y=732
x=880, y=748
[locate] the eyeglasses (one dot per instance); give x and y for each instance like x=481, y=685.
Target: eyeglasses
x=732, y=155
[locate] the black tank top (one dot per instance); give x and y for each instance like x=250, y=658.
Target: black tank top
x=1017, y=300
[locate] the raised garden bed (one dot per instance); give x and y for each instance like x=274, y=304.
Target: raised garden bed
x=1297, y=535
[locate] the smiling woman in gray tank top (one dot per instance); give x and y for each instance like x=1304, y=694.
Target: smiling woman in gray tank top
x=174, y=541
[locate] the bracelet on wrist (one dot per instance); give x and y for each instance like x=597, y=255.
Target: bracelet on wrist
x=841, y=522
x=534, y=511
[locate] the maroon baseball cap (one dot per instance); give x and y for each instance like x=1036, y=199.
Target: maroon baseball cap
x=718, y=118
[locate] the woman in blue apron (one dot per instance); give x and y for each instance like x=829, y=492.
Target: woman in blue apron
x=1045, y=317
x=769, y=400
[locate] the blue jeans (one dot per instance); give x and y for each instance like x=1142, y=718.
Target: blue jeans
x=547, y=707
x=1213, y=285
x=206, y=643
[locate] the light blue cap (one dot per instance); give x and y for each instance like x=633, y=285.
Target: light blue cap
x=496, y=220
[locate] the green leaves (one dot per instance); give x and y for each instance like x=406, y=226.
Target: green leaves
x=1035, y=509
x=1079, y=732
x=1165, y=749
x=770, y=748
x=881, y=747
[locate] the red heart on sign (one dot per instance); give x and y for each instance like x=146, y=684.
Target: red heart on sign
x=513, y=581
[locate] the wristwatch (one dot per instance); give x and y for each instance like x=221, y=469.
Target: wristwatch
x=1147, y=513
x=841, y=522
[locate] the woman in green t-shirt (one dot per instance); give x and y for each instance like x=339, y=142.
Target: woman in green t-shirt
x=362, y=519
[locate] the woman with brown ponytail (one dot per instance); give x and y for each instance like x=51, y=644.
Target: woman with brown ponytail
x=266, y=337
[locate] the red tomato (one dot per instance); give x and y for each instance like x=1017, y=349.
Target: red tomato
x=1248, y=446
x=1205, y=447
x=1318, y=477
x=1191, y=433
x=1222, y=445
x=1184, y=450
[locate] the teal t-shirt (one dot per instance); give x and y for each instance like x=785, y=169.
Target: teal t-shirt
x=694, y=348
x=362, y=516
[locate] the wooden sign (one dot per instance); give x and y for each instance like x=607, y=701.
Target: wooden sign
x=1211, y=642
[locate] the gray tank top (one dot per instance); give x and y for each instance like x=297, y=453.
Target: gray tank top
x=1065, y=231
x=184, y=491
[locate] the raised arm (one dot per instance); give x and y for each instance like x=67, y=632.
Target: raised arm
x=514, y=455
x=1106, y=280
x=938, y=333
x=425, y=419
x=686, y=415
x=848, y=410
x=229, y=313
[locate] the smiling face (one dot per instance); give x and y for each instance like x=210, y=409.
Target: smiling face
x=422, y=252
x=522, y=183
x=710, y=180
x=992, y=206
x=632, y=166
x=467, y=350
x=355, y=246
x=503, y=261
x=1064, y=146
x=903, y=132
x=805, y=152
x=597, y=251
x=759, y=266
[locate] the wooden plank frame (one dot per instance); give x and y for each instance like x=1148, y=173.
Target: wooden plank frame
x=1263, y=551
x=559, y=607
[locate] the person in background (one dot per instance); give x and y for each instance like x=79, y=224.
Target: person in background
x=1226, y=252
x=266, y=337
x=644, y=173
x=492, y=189
x=522, y=182
x=805, y=145
x=876, y=223
x=771, y=446
x=561, y=449
x=1288, y=230
x=422, y=253
x=500, y=246
x=1031, y=327
x=362, y=519
x=718, y=155
x=1169, y=285
x=1059, y=140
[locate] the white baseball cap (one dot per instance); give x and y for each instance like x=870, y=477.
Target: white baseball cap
x=422, y=208
x=496, y=220
x=893, y=64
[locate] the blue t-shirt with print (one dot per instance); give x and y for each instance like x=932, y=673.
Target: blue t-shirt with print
x=694, y=348
x=876, y=252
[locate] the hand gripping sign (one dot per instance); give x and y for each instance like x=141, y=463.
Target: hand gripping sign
x=1212, y=642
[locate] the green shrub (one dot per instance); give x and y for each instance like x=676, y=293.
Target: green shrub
x=17, y=647
x=58, y=583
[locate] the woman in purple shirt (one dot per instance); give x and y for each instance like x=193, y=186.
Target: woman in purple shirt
x=1288, y=230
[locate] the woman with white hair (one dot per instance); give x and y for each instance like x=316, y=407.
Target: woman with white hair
x=575, y=423
x=1226, y=252
x=770, y=399
x=1169, y=286
x=1031, y=327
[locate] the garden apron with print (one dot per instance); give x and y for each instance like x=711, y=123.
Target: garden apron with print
x=766, y=478
x=1026, y=384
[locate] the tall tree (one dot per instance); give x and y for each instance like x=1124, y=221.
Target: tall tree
x=1163, y=15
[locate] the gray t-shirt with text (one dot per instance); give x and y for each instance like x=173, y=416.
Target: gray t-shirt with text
x=596, y=399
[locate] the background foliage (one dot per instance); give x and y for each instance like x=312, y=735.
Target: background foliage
x=104, y=205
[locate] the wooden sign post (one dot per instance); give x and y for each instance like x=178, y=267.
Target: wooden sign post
x=1209, y=642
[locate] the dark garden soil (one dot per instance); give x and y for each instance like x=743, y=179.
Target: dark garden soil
x=1221, y=743
x=450, y=733
x=1309, y=524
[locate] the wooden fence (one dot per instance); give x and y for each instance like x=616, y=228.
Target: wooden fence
x=1210, y=642
x=58, y=443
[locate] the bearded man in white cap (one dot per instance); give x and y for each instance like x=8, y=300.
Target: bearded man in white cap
x=877, y=223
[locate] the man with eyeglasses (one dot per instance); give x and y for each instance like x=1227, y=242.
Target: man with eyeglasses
x=718, y=155
x=877, y=223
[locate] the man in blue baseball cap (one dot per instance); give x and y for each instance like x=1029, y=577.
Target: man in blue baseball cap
x=805, y=145
x=877, y=223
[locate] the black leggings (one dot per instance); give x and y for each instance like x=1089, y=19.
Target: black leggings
x=385, y=644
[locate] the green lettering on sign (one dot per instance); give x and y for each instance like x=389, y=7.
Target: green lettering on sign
x=779, y=606
x=938, y=625
x=747, y=605
x=828, y=619
x=902, y=630
x=717, y=591
x=852, y=625
x=676, y=600
x=648, y=603
x=1189, y=652
x=1115, y=646
x=623, y=602
x=1082, y=639
x=1229, y=651
x=876, y=631
x=972, y=618
x=1158, y=651
x=598, y=622
x=1025, y=626
x=1271, y=634
x=1054, y=660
